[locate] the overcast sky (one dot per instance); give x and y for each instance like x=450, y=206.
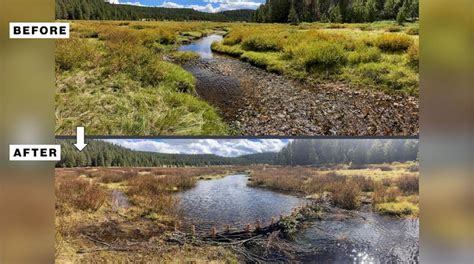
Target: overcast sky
x=201, y=5
x=221, y=147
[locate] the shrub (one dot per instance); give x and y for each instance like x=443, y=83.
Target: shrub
x=413, y=31
x=324, y=55
x=385, y=168
x=80, y=194
x=393, y=42
x=366, y=184
x=88, y=33
x=394, y=29
x=192, y=34
x=262, y=43
x=414, y=56
x=233, y=38
x=344, y=195
x=413, y=168
x=364, y=56
x=385, y=76
x=391, y=194
x=409, y=184
x=73, y=53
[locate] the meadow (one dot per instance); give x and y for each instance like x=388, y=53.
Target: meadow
x=130, y=214
x=131, y=208
x=381, y=56
x=117, y=78
x=391, y=189
x=125, y=78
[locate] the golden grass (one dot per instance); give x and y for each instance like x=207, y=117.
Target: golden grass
x=381, y=184
x=81, y=217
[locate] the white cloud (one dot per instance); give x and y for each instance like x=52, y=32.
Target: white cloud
x=132, y=3
x=221, y=147
x=222, y=5
x=116, y=2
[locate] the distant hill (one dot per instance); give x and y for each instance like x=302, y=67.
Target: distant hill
x=100, y=154
x=101, y=10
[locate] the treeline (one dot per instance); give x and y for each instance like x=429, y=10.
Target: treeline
x=313, y=152
x=101, y=10
x=105, y=154
x=336, y=11
x=339, y=151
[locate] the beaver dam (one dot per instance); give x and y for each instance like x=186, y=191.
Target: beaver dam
x=262, y=225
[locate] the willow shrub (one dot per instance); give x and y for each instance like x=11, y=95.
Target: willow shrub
x=393, y=42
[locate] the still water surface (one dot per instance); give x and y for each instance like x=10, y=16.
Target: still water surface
x=365, y=237
x=229, y=201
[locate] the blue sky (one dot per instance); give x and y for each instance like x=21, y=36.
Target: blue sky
x=221, y=147
x=201, y=5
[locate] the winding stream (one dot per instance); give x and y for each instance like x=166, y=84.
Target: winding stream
x=363, y=237
x=256, y=102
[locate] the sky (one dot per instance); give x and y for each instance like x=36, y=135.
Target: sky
x=211, y=6
x=220, y=147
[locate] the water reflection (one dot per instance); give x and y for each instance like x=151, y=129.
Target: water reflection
x=229, y=201
x=362, y=237
x=202, y=46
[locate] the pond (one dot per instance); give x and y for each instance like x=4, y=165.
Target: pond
x=202, y=46
x=229, y=201
x=339, y=237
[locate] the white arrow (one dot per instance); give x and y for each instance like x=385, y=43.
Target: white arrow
x=80, y=139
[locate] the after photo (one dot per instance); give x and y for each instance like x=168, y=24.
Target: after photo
x=238, y=201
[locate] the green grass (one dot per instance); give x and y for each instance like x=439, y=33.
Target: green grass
x=234, y=51
x=119, y=83
x=378, y=56
x=400, y=209
x=184, y=56
x=269, y=61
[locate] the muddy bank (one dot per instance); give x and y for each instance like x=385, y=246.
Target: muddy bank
x=256, y=102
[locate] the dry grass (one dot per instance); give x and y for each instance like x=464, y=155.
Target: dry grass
x=386, y=183
x=85, y=213
x=80, y=194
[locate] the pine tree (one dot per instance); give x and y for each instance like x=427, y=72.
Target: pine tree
x=293, y=16
x=402, y=14
x=371, y=10
x=335, y=14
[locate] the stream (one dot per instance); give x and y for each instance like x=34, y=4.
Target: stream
x=255, y=102
x=362, y=237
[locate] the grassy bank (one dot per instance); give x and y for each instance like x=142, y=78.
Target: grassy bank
x=380, y=56
x=115, y=78
x=392, y=189
x=93, y=225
